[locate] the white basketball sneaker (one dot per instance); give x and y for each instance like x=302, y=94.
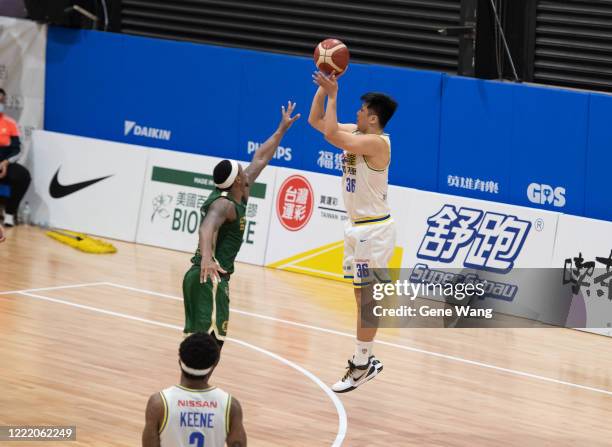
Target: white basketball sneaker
x=358, y=375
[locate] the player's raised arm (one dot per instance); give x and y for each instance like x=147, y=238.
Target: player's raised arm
x=335, y=134
x=219, y=211
x=317, y=110
x=236, y=436
x=264, y=154
x=153, y=418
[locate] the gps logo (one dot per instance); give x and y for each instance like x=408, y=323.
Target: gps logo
x=544, y=194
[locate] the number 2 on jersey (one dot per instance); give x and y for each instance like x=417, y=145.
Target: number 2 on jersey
x=350, y=184
x=197, y=439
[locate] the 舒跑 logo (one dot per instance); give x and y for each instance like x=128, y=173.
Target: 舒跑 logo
x=295, y=203
x=545, y=194
x=492, y=240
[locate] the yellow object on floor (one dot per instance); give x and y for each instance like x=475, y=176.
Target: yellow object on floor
x=81, y=241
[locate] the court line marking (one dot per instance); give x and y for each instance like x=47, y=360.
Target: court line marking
x=387, y=343
x=335, y=332
x=342, y=418
x=311, y=270
x=312, y=255
x=41, y=289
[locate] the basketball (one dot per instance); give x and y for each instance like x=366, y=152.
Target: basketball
x=331, y=55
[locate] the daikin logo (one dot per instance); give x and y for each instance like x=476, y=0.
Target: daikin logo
x=131, y=127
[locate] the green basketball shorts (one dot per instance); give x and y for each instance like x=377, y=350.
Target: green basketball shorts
x=206, y=305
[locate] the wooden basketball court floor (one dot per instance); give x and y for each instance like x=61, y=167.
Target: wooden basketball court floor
x=85, y=339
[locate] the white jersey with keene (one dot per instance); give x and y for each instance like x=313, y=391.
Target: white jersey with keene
x=194, y=418
x=364, y=188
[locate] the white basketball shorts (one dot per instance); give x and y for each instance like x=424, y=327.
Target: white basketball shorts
x=367, y=247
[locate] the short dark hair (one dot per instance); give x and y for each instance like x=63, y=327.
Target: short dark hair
x=383, y=106
x=2, y=92
x=199, y=351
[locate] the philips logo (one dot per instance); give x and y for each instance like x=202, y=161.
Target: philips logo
x=130, y=127
x=544, y=194
x=283, y=153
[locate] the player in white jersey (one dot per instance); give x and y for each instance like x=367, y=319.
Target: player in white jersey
x=369, y=237
x=194, y=413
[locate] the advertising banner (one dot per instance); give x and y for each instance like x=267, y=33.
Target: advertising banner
x=583, y=251
x=22, y=75
x=489, y=241
x=308, y=220
x=86, y=185
x=177, y=185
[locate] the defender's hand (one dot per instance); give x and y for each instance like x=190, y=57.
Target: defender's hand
x=210, y=269
x=286, y=119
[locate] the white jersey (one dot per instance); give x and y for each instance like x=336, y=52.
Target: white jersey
x=364, y=189
x=194, y=418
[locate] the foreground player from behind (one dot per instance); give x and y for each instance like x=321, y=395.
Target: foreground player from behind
x=206, y=283
x=369, y=237
x=194, y=413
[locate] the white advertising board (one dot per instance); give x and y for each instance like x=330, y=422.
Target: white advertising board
x=176, y=186
x=583, y=251
x=86, y=185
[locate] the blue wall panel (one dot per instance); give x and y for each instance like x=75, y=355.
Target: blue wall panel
x=223, y=102
x=267, y=82
x=598, y=188
x=475, y=138
x=549, y=146
x=85, y=89
x=462, y=136
x=186, y=89
x=415, y=128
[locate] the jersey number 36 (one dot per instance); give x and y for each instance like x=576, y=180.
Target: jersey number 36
x=350, y=184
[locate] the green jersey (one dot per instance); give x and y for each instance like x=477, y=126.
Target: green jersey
x=229, y=237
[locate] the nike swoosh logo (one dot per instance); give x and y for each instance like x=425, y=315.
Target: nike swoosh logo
x=57, y=190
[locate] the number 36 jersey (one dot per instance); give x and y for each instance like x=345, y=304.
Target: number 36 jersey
x=364, y=189
x=194, y=418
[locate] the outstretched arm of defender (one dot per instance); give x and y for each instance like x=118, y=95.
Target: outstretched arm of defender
x=237, y=435
x=264, y=154
x=220, y=210
x=153, y=418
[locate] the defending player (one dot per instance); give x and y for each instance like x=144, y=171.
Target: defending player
x=206, y=283
x=194, y=413
x=369, y=237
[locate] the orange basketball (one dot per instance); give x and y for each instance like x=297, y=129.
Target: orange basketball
x=331, y=55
